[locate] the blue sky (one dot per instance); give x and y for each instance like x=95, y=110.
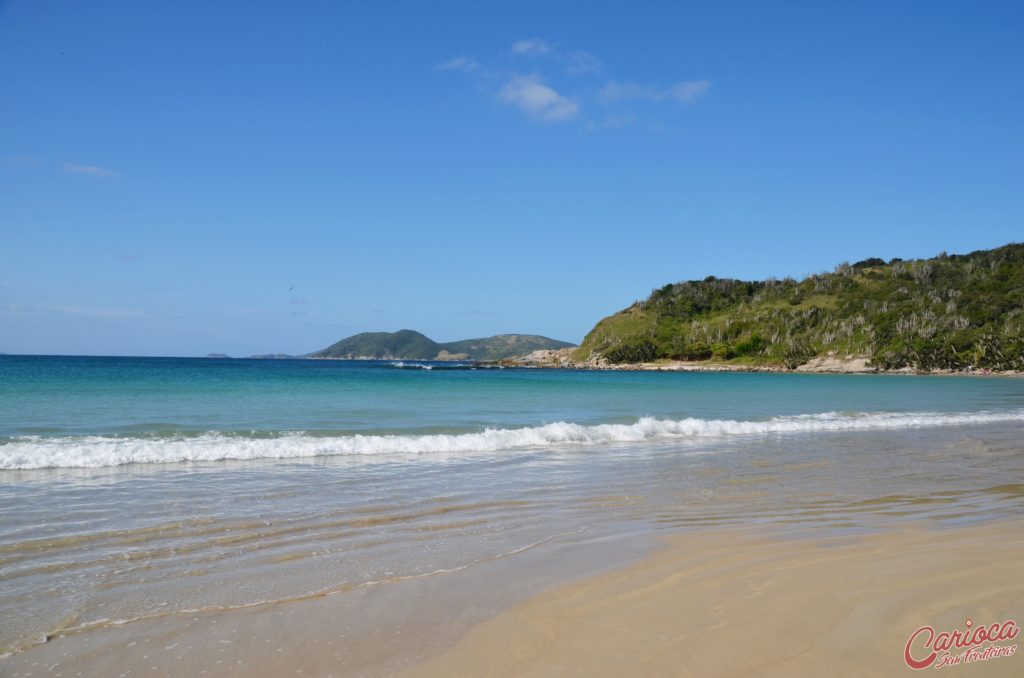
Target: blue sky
x=184, y=178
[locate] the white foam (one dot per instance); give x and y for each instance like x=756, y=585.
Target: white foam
x=412, y=366
x=36, y=452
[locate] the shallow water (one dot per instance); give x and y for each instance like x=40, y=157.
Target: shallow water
x=453, y=468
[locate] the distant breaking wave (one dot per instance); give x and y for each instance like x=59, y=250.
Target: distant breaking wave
x=411, y=365
x=37, y=452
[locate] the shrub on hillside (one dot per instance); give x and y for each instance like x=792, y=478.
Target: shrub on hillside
x=632, y=351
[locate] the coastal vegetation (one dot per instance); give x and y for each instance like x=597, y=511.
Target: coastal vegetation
x=958, y=312
x=503, y=346
x=407, y=344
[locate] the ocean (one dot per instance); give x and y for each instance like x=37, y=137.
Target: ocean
x=139, y=489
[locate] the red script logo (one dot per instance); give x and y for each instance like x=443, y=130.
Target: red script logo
x=927, y=648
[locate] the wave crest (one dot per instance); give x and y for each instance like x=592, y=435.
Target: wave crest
x=37, y=452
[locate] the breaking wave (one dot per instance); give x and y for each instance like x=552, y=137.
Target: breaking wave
x=426, y=365
x=38, y=452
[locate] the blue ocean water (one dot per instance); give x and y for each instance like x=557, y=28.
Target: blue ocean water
x=148, y=488
x=85, y=411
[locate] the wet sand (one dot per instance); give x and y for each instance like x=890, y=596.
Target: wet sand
x=731, y=603
x=369, y=630
x=709, y=602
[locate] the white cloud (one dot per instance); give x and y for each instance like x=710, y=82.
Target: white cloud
x=615, y=91
x=690, y=90
x=581, y=63
x=551, y=92
x=687, y=91
x=90, y=170
x=540, y=102
x=532, y=47
x=463, y=64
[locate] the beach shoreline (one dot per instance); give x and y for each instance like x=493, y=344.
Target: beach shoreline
x=726, y=602
x=831, y=364
x=376, y=629
x=718, y=601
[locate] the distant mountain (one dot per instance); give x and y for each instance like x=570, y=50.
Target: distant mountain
x=411, y=345
x=216, y=355
x=404, y=344
x=503, y=346
x=274, y=356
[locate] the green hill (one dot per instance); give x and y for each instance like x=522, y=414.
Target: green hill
x=404, y=344
x=503, y=346
x=411, y=345
x=949, y=312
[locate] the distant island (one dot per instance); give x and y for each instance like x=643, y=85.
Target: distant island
x=959, y=312
x=412, y=345
x=260, y=356
x=950, y=312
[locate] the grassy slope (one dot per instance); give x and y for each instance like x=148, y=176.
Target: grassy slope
x=958, y=312
x=502, y=346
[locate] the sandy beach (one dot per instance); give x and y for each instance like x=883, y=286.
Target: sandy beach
x=732, y=603
x=712, y=602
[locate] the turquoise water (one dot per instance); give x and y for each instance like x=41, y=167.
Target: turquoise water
x=143, y=488
x=80, y=412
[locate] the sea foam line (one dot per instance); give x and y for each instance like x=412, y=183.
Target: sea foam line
x=37, y=452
